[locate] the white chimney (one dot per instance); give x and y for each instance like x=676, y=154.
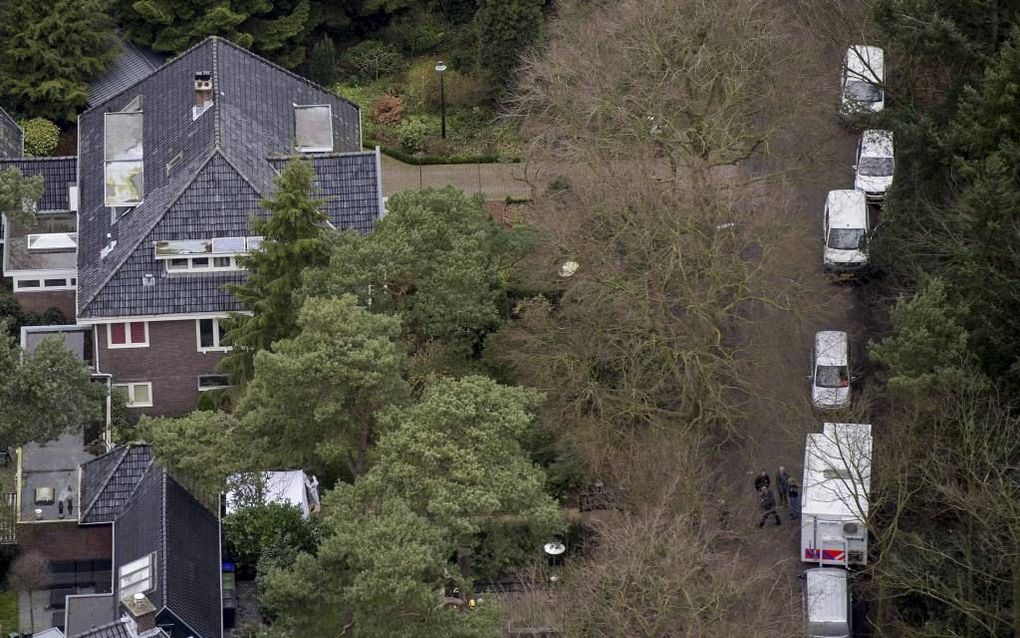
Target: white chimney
x=203, y=94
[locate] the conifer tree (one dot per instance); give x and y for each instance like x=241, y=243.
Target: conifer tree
x=49, y=50
x=322, y=62
x=506, y=28
x=292, y=241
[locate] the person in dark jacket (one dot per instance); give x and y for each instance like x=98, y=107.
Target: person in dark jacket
x=794, y=500
x=762, y=480
x=767, y=504
x=782, y=485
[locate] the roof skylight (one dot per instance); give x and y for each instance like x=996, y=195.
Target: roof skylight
x=123, y=159
x=313, y=128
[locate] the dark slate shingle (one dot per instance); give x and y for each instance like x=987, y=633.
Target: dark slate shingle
x=58, y=173
x=109, y=480
x=131, y=65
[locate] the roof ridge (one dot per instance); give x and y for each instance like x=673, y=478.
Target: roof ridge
x=123, y=451
x=12, y=120
x=218, y=112
x=48, y=158
x=298, y=76
x=147, y=76
x=314, y=156
x=162, y=539
x=128, y=43
x=110, y=272
x=241, y=173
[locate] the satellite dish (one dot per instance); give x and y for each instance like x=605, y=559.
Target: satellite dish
x=554, y=548
x=569, y=268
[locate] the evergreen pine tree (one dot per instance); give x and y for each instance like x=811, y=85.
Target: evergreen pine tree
x=49, y=50
x=322, y=62
x=505, y=29
x=292, y=241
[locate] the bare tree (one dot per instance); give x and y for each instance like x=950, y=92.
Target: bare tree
x=29, y=572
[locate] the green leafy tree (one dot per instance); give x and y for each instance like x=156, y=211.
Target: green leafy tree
x=201, y=449
x=342, y=368
x=251, y=531
x=292, y=242
x=277, y=29
x=505, y=29
x=370, y=59
x=41, y=137
x=437, y=260
x=19, y=195
x=45, y=394
x=48, y=53
x=322, y=62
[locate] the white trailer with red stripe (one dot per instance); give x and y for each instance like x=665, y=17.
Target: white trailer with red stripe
x=834, y=496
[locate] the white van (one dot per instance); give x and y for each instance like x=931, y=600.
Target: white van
x=873, y=169
x=845, y=232
x=830, y=370
x=827, y=603
x=863, y=77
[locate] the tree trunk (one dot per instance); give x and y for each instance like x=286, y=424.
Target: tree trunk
x=1016, y=592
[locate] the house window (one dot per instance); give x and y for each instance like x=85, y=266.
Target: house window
x=131, y=334
x=213, y=382
x=313, y=128
x=211, y=336
x=201, y=264
x=29, y=283
x=135, y=395
x=123, y=159
x=55, y=283
x=137, y=577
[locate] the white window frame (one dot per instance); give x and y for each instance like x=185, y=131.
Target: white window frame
x=217, y=347
x=127, y=335
x=131, y=403
x=314, y=149
x=144, y=564
x=210, y=268
x=107, y=162
x=198, y=380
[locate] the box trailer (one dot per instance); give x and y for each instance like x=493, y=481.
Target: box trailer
x=827, y=603
x=834, y=495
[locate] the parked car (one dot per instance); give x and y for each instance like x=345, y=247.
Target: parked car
x=863, y=79
x=827, y=603
x=873, y=168
x=830, y=370
x=845, y=232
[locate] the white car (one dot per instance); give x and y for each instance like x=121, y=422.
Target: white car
x=845, y=232
x=863, y=78
x=873, y=170
x=830, y=370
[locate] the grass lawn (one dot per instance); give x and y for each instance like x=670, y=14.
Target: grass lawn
x=8, y=612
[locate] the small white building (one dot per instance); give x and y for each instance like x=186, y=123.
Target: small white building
x=827, y=603
x=293, y=487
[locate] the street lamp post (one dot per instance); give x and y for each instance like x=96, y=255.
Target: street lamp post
x=440, y=67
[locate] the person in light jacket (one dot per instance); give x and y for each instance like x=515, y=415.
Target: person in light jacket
x=782, y=485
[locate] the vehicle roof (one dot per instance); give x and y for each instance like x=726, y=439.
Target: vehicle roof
x=826, y=594
x=847, y=209
x=831, y=348
x=876, y=143
x=837, y=471
x=865, y=62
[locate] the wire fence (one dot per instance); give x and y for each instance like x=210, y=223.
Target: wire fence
x=493, y=181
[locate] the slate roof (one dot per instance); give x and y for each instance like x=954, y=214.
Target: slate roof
x=348, y=185
x=162, y=517
x=117, y=629
x=221, y=171
x=12, y=138
x=132, y=64
x=57, y=173
x=109, y=480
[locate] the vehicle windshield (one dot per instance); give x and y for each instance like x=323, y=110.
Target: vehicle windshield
x=847, y=238
x=863, y=91
x=875, y=166
x=832, y=377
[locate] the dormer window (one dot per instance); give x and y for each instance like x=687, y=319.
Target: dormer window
x=313, y=128
x=52, y=242
x=123, y=159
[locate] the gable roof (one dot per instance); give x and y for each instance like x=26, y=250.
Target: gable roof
x=108, y=481
x=131, y=65
x=163, y=518
x=203, y=176
x=12, y=138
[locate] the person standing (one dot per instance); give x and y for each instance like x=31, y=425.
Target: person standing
x=794, y=500
x=767, y=504
x=782, y=485
x=762, y=480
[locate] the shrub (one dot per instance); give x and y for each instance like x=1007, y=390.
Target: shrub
x=463, y=90
x=41, y=136
x=370, y=59
x=412, y=133
x=389, y=109
x=252, y=530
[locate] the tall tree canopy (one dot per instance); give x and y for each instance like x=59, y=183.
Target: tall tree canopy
x=19, y=195
x=292, y=241
x=49, y=50
x=506, y=28
x=45, y=394
x=315, y=398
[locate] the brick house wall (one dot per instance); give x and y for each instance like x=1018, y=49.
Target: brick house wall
x=62, y=300
x=66, y=540
x=172, y=363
